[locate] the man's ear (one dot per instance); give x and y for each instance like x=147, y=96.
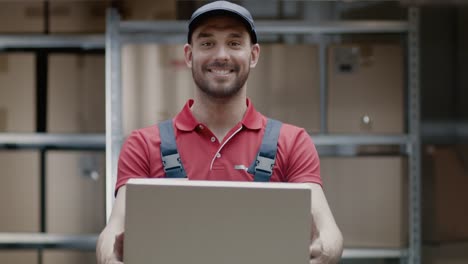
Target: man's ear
x=254, y=55
x=188, y=55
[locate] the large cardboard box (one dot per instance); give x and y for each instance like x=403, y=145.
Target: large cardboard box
x=149, y=9
x=19, y=200
x=78, y=16
x=76, y=88
x=22, y=16
x=368, y=198
x=454, y=253
x=285, y=84
x=365, y=88
x=156, y=84
x=19, y=256
x=445, y=180
x=75, y=199
x=17, y=92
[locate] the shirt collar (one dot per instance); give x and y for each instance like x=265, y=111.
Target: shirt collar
x=185, y=120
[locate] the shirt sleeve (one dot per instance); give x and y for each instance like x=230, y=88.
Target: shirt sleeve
x=303, y=164
x=133, y=160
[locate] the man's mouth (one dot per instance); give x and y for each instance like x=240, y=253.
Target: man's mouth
x=220, y=71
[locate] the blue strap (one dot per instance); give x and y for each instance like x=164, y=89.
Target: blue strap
x=170, y=156
x=262, y=167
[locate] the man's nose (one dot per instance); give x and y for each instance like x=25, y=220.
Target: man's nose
x=222, y=53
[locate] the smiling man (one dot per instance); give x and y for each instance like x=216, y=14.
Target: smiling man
x=220, y=136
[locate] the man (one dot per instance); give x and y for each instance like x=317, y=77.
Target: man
x=218, y=134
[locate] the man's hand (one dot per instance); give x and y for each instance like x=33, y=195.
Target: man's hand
x=317, y=254
x=117, y=256
x=119, y=246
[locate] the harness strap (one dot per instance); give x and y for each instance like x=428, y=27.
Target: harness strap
x=262, y=167
x=170, y=156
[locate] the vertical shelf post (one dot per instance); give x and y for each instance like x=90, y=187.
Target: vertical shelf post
x=414, y=254
x=113, y=104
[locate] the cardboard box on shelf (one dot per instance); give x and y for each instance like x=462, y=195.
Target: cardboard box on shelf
x=445, y=178
x=156, y=84
x=149, y=10
x=75, y=199
x=76, y=88
x=18, y=256
x=18, y=92
x=285, y=84
x=78, y=16
x=19, y=191
x=368, y=198
x=365, y=89
x=447, y=253
x=22, y=16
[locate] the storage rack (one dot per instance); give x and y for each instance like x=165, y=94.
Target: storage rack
x=120, y=32
x=47, y=141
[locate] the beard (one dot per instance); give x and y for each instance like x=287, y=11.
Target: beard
x=220, y=90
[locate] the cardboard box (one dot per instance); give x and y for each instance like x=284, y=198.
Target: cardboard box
x=76, y=88
x=18, y=92
x=368, y=198
x=445, y=179
x=456, y=253
x=19, y=191
x=68, y=257
x=22, y=16
x=365, y=89
x=285, y=84
x=75, y=199
x=156, y=84
x=78, y=16
x=18, y=256
x=149, y=10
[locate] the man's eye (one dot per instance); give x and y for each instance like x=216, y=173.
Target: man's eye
x=234, y=44
x=207, y=44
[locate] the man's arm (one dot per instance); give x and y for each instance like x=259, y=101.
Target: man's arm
x=109, y=249
x=327, y=241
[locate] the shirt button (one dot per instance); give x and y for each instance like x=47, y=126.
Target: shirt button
x=218, y=155
x=213, y=139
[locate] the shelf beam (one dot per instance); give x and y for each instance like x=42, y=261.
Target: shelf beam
x=355, y=253
x=48, y=241
x=339, y=140
x=54, y=141
x=176, y=31
x=52, y=41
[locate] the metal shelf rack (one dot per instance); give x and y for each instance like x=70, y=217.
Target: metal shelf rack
x=120, y=32
x=47, y=141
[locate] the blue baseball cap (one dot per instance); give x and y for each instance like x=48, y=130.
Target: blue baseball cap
x=222, y=8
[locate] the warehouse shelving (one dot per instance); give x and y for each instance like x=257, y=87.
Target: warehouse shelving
x=119, y=33
x=50, y=141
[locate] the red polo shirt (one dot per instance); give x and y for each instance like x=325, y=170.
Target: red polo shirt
x=205, y=158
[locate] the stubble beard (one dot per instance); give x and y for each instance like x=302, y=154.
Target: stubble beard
x=213, y=89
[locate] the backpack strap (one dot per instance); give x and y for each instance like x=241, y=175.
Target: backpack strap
x=262, y=167
x=170, y=156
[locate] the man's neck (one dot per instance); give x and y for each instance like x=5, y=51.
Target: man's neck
x=219, y=115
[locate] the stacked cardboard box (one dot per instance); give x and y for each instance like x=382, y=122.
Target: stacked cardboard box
x=445, y=178
x=22, y=16
x=77, y=16
x=368, y=197
x=365, y=93
x=285, y=84
x=156, y=84
x=17, y=93
x=19, y=200
x=75, y=198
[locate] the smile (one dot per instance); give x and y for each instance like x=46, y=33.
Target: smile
x=220, y=72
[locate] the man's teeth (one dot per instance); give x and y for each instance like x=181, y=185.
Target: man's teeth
x=221, y=71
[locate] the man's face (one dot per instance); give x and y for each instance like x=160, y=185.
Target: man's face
x=221, y=55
